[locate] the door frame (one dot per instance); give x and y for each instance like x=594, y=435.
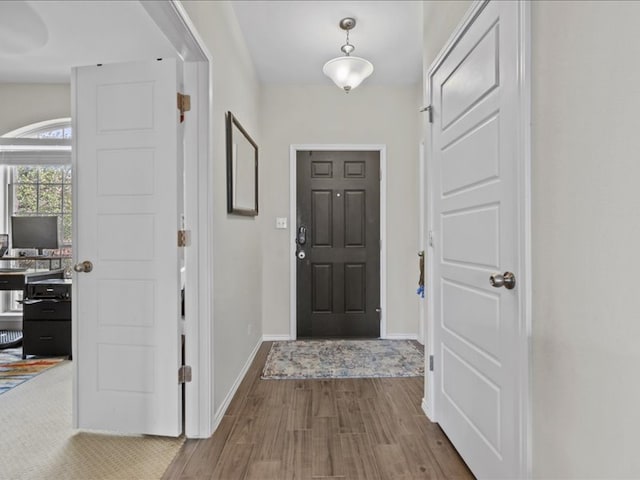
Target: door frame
x=422, y=231
x=524, y=269
x=173, y=20
x=293, y=151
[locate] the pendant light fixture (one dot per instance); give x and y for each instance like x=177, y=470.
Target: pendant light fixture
x=347, y=72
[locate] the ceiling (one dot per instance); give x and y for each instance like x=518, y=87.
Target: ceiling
x=41, y=40
x=289, y=41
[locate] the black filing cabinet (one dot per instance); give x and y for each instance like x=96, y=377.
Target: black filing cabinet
x=46, y=318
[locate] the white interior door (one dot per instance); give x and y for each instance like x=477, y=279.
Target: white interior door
x=127, y=202
x=474, y=188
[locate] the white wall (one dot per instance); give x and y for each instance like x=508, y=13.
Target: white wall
x=325, y=115
x=586, y=240
x=440, y=20
x=24, y=104
x=237, y=257
x=586, y=234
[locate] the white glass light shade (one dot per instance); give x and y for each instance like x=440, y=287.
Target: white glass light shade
x=348, y=72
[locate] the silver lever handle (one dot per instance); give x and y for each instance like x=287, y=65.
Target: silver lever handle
x=506, y=280
x=85, y=267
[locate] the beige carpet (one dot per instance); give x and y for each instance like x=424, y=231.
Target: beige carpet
x=37, y=441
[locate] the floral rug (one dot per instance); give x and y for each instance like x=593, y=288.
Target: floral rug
x=14, y=370
x=302, y=359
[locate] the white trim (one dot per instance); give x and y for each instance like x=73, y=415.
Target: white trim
x=427, y=411
x=382, y=149
x=474, y=10
x=524, y=234
x=7, y=143
x=402, y=336
x=422, y=246
x=234, y=388
x=174, y=22
x=74, y=241
x=39, y=127
x=276, y=338
x=526, y=270
x=429, y=384
x=31, y=157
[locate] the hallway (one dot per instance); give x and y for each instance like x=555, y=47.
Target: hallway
x=352, y=429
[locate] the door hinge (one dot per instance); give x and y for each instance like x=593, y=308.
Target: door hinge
x=431, y=363
x=430, y=238
x=429, y=110
x=184, y=104
x=184, y=238
x=184, y=374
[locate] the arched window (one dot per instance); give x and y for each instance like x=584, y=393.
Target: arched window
x=38, y=158
x=59, y=128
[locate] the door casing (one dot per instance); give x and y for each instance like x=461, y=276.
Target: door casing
x=524, y=226
x=382, y=149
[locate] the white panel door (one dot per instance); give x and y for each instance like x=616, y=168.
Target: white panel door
x=127, y=201
x=474, y=187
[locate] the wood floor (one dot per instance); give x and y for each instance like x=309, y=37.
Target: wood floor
x=320, y=429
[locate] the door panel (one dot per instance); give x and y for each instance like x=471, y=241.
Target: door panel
x=338, y=281
x=127, y=204
x=473, y=166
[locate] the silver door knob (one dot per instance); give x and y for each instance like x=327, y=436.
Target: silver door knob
x=506, y=280
x=85, y=267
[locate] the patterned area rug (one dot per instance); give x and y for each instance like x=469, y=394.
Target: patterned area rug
x=14, y=370
x=343, y=359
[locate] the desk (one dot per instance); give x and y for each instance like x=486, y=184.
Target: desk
x=17, y=278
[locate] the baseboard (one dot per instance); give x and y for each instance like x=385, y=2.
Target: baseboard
x=401, y=336
x=234, y=388
x=390, y=336
x=275, y=338
x=426, y=408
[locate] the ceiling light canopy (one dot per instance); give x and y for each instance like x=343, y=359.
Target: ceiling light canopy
x=347, y=72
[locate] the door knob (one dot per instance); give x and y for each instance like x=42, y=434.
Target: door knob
x=85, y=267
x=506, y=280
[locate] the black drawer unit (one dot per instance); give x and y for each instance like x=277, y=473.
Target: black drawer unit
x=46, y=319
x=46, y=309
x=46, y=337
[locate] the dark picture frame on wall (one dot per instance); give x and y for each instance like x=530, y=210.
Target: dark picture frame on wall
x=242, y=170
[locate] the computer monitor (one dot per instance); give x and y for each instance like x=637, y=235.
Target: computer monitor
x=34, y=232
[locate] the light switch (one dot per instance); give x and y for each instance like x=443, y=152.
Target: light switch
x=281, y=222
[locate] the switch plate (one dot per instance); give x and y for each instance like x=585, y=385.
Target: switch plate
x=281, y=222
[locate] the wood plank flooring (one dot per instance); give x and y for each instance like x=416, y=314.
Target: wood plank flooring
x=321, y=429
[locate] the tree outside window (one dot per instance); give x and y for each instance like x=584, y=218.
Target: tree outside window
x=45, y=190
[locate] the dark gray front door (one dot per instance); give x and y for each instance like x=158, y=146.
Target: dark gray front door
x=338, y=234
